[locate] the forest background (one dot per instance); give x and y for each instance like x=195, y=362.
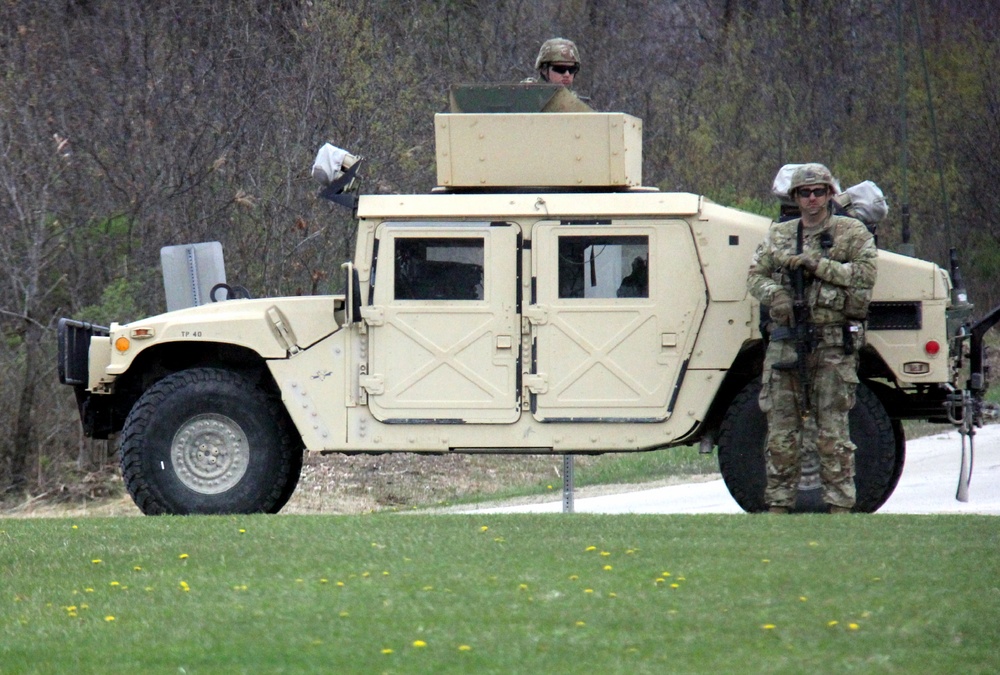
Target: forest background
x=130, y=125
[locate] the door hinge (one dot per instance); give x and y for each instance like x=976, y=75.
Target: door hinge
x=373, y=384
x=536, y=314
x=536, y=383
x=373, y=315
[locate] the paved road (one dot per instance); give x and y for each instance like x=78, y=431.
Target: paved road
x=927, y=485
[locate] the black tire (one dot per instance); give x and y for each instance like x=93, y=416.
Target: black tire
x=209, y=441
x=292, y=482
x=878, y=459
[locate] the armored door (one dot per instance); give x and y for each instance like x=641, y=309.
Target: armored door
x=444, y=334
x=615, y=311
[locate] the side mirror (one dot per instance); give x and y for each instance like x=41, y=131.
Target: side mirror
x=336, y=169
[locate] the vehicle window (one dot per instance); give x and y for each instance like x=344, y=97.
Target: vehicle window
x=603, y=266
x=439, y=268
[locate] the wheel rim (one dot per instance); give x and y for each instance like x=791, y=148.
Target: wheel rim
x=210, y=453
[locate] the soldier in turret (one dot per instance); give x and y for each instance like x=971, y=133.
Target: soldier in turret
x=825, y=327
x=558, y=62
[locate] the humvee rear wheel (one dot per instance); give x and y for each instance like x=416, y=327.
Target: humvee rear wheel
x=208, y=441
x=878, y=459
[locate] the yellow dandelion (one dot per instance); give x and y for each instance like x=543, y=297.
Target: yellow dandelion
x=675, y=585
x=419, y=644
x=464, y=648
x=340, y=583
x=833, y=623
x=803, y=598
x=605, y=553
x=574, y=577
x=385, y=573
x=387, y=651
x=523, y=587
x=630, y=551
x=344, y=614
x=114, y=583
x=109, y=618
x=366, y=574
x=323, y=581
x=300, y=581
x=549, y=487
x=664, y=574
x=183, y=556
x=853, y=626
x=484, y=528
x=137, y=568
x=814, y=543
x=588, y=590
x=581, y=623
x=612, y=595
x=184, y=586
x=607, y=568
x=84, y=606
x=768, y=626
x=88, y=590
x=428, y=588
x=97, y=561
x=590, y=548
x=765, y=560
x=658, y=581
x=75, y=527
x=71, y=608
x=242, y=531
x=71, y=614
x=681, y=579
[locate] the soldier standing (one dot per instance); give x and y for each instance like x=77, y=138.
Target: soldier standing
x=836, y=257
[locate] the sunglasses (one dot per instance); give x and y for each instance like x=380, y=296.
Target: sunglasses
x=806, y=193
x=562, y=70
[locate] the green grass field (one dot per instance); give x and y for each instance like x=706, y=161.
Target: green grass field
x=500, y=594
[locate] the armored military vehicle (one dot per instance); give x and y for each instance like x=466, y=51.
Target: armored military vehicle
x=539, y=300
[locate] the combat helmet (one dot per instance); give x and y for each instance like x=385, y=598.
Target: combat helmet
x=557, y=49
x=811, y=174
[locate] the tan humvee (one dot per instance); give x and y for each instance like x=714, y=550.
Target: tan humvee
x=539, y=301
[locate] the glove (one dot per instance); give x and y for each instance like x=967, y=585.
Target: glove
x=781, y=308
x=805, y=260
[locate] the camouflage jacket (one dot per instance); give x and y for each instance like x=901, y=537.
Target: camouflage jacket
x=841, y=287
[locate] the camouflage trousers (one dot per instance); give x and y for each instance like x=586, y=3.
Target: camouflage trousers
x=833, y=379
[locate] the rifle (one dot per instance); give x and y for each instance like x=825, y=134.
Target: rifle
x=802, y=330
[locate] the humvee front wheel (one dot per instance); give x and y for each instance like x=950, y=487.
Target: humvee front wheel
x=878, y=459
x=208, y=440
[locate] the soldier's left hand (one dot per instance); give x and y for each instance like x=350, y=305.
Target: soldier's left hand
x=809, y=262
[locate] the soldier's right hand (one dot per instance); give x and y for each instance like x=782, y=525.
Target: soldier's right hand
x=781, y=308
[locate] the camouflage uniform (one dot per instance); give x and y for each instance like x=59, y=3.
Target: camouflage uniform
x=838, y=293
